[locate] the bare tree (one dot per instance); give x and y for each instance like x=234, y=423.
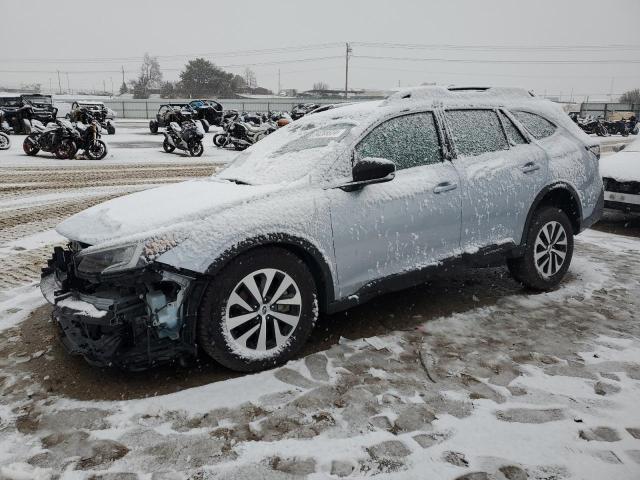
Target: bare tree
x=250, y=78
x=320, y=86
x=150, y=76
x=632, y=96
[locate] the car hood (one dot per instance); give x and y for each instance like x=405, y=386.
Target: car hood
x=623, y=166
x=171, y=207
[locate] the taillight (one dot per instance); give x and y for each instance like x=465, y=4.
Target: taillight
x=595, y=149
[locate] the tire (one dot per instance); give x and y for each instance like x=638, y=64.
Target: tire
x=153, y=126
x=29, y=146
x=635, y=130
x=98, y=152
x=66, y=150
x=220, y=140
x=225, y=343
x=196, y=149
x=26, y=126
x=545, y=272
x=111, y=128
x=205, y=125
x=167, y=146
x=601, y=131
x=5, y=141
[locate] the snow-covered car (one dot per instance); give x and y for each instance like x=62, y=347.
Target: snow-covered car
x=621, y=175
x=322, y=215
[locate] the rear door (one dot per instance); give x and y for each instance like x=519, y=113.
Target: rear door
x=502, y=173
x=410, y=222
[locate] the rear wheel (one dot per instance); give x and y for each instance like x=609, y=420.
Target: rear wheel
x=30, y=146
x=167, y=146
x=153, y=126
x=548, y=251
x=5, y=142
x=259, y=311
x=66, y=150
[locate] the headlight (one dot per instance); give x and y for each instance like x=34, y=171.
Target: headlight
x=109, y=260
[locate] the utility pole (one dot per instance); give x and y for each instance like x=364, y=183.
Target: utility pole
x=104, y=86
x=278, y=82
x=68, y=85
x=346, y=70
x=59, y=84
x=123, y=75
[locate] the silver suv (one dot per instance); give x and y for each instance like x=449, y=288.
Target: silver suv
x=320, y=216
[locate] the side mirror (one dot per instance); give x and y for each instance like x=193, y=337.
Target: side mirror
x=370, y=170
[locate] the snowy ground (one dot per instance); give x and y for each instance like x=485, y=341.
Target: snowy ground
x=467, y=377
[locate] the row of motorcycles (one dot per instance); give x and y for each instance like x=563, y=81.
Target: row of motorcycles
x=598, y=126
x=64, y=139
x=241, y=130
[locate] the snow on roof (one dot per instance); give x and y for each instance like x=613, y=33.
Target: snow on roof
x=459, y=93
x=623, y=166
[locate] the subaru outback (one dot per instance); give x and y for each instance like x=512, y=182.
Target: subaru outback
x=321, y=216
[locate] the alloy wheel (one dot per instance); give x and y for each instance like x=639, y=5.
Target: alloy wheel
x=262, y=312
x=550, y=249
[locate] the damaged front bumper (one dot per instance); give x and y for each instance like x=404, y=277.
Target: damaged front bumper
x=132, y=320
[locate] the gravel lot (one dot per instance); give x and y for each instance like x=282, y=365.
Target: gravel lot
x=466, y=377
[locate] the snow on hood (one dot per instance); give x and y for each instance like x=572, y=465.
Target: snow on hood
x=623, y=166
x=165, y=208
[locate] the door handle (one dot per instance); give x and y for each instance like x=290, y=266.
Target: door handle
x=444, y=187
x=530, y=167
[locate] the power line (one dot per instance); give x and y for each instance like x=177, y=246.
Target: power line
x=493, y=61
x=508, y=48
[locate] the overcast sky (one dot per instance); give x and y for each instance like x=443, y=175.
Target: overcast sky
x=103, y=35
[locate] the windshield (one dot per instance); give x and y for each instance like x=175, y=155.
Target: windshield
x=289, y=153
x=10, y=102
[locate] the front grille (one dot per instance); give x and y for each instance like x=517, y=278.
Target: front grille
x=611, y=185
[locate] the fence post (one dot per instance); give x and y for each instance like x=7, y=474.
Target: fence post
x=146, y=109
x=605, y=110
x=123, y=115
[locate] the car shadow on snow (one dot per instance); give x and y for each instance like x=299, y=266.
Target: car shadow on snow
x=37, y=352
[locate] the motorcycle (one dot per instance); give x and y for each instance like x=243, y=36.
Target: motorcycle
x=88, y=138
x=591, y=125
x=241, y=135
x=57, y=138
x=619, y=127
x=187, y=137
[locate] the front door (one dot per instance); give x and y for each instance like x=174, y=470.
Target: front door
x=410, y=222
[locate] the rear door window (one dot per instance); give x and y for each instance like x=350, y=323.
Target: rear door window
x=476, y=132
x=408, y=141
x=537, y=126
x=513, y=134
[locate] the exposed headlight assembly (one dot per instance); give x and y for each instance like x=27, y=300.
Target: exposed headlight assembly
x=110, y=259
x=123, y=257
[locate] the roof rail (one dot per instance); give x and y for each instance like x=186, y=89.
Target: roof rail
x=436, y=92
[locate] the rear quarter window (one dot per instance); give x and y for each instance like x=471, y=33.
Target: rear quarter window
x=536, y=125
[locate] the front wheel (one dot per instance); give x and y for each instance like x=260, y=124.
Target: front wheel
x=196, y=149
x=5, y=141
x=220, y=140
x=259, y=311
x=548, y=250
x=97, y=151
x=66, y=150
x=167, y=146
x=30, y=146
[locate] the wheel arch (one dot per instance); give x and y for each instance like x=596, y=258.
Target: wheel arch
x=561, y=195
x=313, y=258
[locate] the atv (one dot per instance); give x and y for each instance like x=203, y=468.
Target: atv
x=208, y=110
x=19, y=112
x=85, y=112
x=171, y=112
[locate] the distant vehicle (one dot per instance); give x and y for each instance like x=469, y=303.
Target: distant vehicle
x=20, y=111
x=170, y=112
x=302, y=109
x=208, y=110
x=621, y=176
x=87, y=111
x=321, y=216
